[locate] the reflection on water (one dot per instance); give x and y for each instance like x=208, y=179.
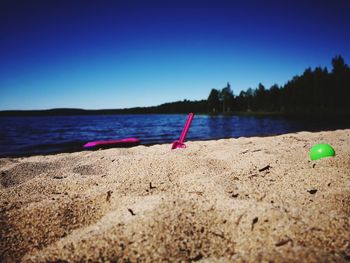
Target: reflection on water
x=38, y=135
x=238, y=126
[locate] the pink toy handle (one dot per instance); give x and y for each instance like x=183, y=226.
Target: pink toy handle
x=187, y=126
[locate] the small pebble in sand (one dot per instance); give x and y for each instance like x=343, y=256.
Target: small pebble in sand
x=312, y=191
x=283, y=242
x=131, y=212
x=267, y=167
x=255, y=220
x=109, y=195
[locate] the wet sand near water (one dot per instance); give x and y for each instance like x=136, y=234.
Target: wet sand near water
x=243, y=200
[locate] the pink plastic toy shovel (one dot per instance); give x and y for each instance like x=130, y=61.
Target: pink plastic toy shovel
x=180, y=143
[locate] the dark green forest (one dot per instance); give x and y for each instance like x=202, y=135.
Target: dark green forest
x=316, y=92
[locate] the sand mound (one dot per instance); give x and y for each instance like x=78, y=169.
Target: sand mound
x=246, y=199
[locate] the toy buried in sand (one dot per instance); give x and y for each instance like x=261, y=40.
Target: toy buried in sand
x=180, y=143
x=321, y=150
x=127, y=142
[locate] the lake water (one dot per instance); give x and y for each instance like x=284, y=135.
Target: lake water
x=51, y=134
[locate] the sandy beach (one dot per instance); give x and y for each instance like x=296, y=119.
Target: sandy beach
x=256, y=199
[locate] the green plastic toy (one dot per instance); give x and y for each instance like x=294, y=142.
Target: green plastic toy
x=321, y=150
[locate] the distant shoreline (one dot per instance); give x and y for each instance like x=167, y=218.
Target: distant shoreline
x=332, y=115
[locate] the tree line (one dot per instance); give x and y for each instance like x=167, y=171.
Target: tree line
x=184, y=106
x=315, y=91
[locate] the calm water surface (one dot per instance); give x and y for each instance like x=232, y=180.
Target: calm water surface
x=50, y=134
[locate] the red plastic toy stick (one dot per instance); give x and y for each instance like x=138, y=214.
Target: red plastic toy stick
x=180, y=143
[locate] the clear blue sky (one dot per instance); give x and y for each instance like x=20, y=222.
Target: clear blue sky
x=117, y=54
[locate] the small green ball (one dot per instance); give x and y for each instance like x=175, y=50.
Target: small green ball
x=321, y=150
